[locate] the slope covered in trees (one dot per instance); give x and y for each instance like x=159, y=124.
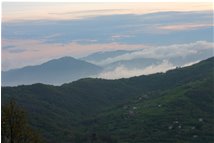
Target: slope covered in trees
x=176, y=106
x=181, y=114
x=15, y=127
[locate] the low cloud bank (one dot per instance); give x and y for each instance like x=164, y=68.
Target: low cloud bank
x=164, y=52
x=123, y=72
x=171, y=56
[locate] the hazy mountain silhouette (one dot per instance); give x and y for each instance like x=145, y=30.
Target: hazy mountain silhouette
x=100, y=56
x=57, y=71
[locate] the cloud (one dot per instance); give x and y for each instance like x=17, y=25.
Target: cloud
x=154, y=28
x=36, y=52
x=191, y=63
x=52, y=36
x=8, y=47
x=123, y=72
x=87, y=12
x=187, y=26
x=120, y=36
x=163, y=52
x=58, y=11
x=17, y=50
x=85, y=41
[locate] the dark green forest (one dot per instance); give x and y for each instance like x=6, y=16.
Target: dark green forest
x=176, y=106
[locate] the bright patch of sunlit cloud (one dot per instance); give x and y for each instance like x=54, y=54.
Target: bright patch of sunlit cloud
x=188, y=26
x=123, y=72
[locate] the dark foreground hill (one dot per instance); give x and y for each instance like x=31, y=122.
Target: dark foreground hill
x=57, y=71
x=176, y=106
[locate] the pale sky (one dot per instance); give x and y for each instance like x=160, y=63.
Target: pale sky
x=34, y=11
x=33, y=33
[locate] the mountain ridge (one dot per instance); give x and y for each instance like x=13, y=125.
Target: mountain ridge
x=56, y=71
x=65, y=108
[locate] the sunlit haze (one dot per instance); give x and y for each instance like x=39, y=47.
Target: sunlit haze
x=58, y=11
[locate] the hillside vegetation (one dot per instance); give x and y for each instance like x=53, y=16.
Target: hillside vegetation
x=176, y=106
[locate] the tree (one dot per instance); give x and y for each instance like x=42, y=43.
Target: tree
x=15, y=128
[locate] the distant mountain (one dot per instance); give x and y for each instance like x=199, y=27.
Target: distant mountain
x=176, y=106
x=137, y=62
x=101, y=56
x=57, y=71
x=111, y=60
x=182, y=60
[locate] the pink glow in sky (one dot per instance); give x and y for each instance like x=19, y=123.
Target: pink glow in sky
x=32, y=11
x=27, y=50
x=41, y=52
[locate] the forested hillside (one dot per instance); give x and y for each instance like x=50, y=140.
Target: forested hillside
x=176, y=106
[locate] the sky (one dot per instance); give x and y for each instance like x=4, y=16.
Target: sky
x=36, y=32
x=61, y=11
